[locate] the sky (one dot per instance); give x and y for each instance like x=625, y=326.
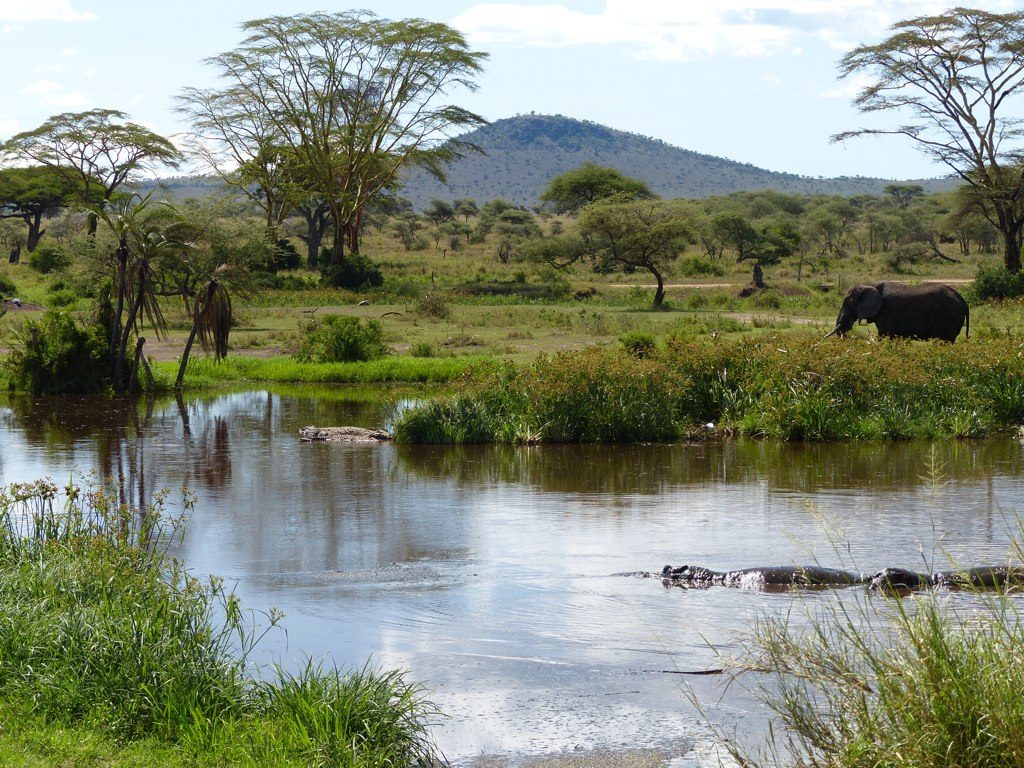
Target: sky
x=750, y=80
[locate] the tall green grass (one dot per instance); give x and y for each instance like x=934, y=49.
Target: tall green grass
x=206, y=373
x=784, y=387
x=898, y=683
x=102, y=630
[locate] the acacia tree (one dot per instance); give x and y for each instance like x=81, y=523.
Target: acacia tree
x=570, y=191
x=29, y=194
x=356, y=98
x=622, y=234
x=98, y=151
x=236, y=138
x=953, y=74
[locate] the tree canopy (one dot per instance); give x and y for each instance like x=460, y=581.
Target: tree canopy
x=570, y=191
x=952, y=75
x=98, y=150
x=30, y=193
x=355, y=98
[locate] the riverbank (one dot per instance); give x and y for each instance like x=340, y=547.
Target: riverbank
x=112, y=651
x=791, y=388
x=205, y=372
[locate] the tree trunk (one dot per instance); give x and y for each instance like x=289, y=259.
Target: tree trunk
x=659, y=295
x=129, y=324
x=354, y=228
x=196, y=314
x=1011, y=250
x=115, y=323
x=35, y=231
x=338, y=252
x=758, y=276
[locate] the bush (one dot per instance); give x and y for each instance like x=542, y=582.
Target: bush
x=56, y=356
x=638, y=343
x=355, y=273
x=342, y=339
x=284, y=256
x=48, y=258
x=434, y=305
x=995, y=282
x=421, y=349
x=7, y=287
x=697, y=266
x=63, y=297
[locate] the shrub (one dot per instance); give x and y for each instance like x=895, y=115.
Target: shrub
x=355, y=273
x=54, y=355
x=342, y=339
x=284, y=256
x=638, y=343
x=63, y=297
x=434, y=305
x=697, y=266
x=995, y=282
x=421, y=349
x=48, y=258
x=7, y=287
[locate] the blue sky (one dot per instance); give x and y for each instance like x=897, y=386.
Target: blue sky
x=754, y=81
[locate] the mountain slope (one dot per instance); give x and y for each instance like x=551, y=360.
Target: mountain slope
x=524, y=152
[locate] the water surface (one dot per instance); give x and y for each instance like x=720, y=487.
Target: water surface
x=488, y=571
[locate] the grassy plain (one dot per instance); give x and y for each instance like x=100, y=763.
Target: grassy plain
x=444, y=311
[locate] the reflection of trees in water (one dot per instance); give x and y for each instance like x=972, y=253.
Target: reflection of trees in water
x=112, y=429
x=651, y=469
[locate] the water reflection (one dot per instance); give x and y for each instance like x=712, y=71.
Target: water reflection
x=486, y=570
x=653, y=469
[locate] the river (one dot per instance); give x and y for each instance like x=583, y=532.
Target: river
x=489, y=572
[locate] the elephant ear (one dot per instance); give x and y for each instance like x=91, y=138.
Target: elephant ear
x=869, y=304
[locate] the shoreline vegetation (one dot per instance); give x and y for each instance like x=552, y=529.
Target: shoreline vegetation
x=113, y=654
x=789, y=388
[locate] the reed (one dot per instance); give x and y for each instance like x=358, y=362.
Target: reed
x=772, y=386
x=106, y=635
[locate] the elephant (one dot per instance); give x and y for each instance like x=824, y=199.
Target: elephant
x=927, y=311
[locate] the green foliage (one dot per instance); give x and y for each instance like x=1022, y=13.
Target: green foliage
x=356, y=273
x=697, y=266
x=996, y=282
x=638, y=343
x=48, y=258
x=902, y=683
x=434, y=305
x=771, y=386
x=54, y=355
x=63, y=297
x=103, y=629
x=342, y=339
x=421, y=349
x=570, y=191
x=284, y=256
x=7, y=287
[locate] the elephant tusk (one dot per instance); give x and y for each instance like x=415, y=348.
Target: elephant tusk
x=830, y=333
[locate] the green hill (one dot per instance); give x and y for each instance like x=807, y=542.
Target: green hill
x=524, y=152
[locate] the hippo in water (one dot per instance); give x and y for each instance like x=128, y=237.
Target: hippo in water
x=765, y=576
x=985, y=576
x=887, y=579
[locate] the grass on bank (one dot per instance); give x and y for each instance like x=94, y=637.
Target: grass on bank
x=106, y=640
x=783, y=387
x=916, y=682
x=203, y=372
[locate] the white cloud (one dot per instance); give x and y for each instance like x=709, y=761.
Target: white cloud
x=686, y=29
x=42, y=10
x=8, y=127
x=69, y=52
x=53, y=94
